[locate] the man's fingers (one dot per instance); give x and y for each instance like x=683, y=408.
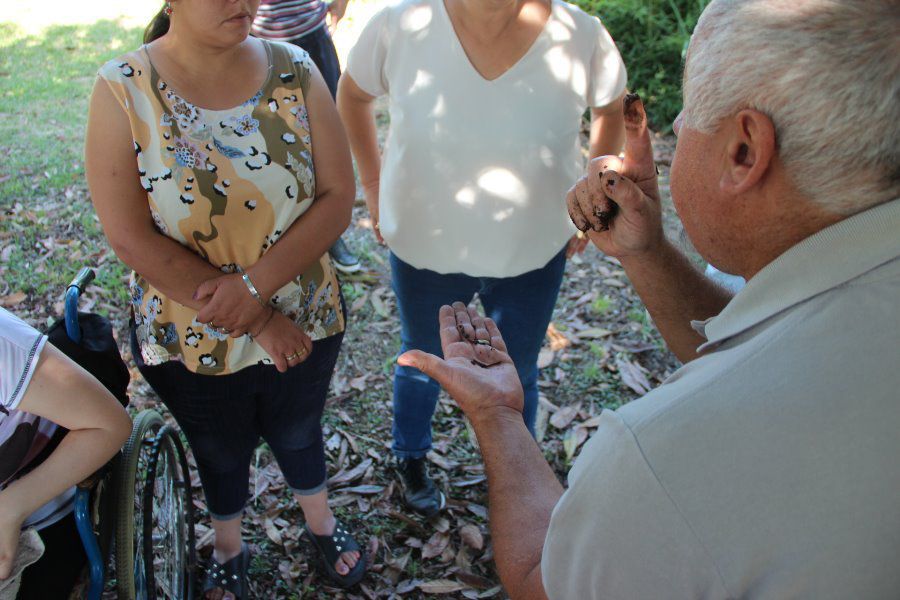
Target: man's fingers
x=586, y=203
x=574, y=209
x=638, y=164
x=448, y=331
x=623, y=192
x=429, y=364
x=496, y=339
x=464, y=322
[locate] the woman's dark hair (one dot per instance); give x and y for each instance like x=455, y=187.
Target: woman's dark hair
x=158, y=27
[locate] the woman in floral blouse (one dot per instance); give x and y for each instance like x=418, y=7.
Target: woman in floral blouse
x=221, y=174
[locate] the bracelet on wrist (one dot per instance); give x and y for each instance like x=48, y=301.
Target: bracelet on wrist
x=264, y=325
x=252, y=289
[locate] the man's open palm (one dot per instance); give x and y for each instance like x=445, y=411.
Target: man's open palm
x=476, y=370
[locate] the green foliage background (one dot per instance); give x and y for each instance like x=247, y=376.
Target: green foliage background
x=652, y=36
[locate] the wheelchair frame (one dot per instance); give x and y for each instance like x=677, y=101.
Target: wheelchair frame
x=152, y=445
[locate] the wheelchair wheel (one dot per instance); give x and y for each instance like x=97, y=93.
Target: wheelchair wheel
x=168, y=520
x=155, y=554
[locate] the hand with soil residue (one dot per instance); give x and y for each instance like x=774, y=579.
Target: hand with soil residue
x=476, y=370
x=618, y=203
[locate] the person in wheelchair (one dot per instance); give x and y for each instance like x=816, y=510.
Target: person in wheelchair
x=220, y=171
x=42, y=390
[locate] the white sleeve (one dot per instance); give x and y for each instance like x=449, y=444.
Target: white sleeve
x=616, y=534
x=20, y=347
x=608, y=75
x=366, y=60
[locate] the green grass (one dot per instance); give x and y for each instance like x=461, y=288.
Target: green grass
x=45, y=83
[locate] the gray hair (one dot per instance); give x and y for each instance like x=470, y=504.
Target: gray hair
x=827, y=72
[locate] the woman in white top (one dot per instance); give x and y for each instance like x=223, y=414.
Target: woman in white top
x=486, y=100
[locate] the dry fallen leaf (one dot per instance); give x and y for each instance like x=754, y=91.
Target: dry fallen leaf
x=13, y=299
x=594, y=332
x=632, y=376
x=561, y=418
x=471, y=536
x=545, y=357
x=441, y=586
x=435, y=545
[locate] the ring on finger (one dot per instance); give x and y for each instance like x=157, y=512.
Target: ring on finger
x=481, y=342
x=292, y=356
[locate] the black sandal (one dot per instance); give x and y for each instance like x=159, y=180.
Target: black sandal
x=331, y=547
x=230, y=576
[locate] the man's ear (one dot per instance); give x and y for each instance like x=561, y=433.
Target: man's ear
x=749, y=151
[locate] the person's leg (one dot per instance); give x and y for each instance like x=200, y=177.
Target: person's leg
x=321, y=49
x=420, y=294
x=216, y=415
x=290, y=422
x=522, y=307
x=55, y=573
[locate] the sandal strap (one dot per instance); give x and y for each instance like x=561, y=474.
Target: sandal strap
x=228, y=576
x=340, y=541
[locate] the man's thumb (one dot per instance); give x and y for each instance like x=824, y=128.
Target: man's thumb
x=429, y=364
x=638, y=162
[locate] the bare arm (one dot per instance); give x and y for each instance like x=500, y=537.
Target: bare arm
x=674, y=291
x=522, y=492
x=522, y=488
x=607, y=129
x=356, y=109
x=121, y=205
x=62, y=392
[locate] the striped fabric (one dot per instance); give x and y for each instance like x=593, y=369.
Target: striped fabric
x=285, y=20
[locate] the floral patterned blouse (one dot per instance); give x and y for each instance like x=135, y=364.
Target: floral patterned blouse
x=225, y=184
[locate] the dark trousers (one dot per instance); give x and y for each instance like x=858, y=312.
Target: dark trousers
x=54, y=575
x=321, y=49
x=224, y=416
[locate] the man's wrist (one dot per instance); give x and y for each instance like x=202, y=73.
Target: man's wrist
x=652, y=253
x=492, y=417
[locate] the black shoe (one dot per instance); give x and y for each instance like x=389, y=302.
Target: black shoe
x=343, y=259
x=419, y=491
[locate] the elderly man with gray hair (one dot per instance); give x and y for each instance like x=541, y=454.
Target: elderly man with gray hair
x=766, y=467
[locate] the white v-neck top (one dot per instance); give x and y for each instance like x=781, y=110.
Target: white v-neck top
x=475, y=172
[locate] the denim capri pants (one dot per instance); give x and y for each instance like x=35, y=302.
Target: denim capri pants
x=224, y=417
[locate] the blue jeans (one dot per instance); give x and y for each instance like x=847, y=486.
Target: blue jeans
x=521, y=306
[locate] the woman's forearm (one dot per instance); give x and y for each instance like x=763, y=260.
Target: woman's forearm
x=357, y=113
x=607, y=135
x=170, y=267
x=304, y=242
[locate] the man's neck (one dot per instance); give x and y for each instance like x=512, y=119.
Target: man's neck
x=792, y=220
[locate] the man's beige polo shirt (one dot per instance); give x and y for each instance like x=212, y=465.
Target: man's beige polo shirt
x=769, y=467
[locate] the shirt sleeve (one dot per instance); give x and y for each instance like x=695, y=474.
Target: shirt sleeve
x=608, y=75
x=616, y=534
x=20, y=347
x=366, y=60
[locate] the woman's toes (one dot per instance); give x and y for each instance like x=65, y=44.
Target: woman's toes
x=341, y=567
